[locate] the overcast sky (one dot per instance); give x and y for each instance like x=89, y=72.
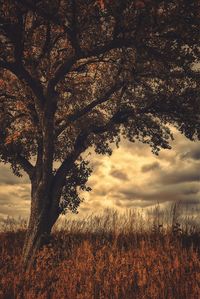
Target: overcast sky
x=132, y=177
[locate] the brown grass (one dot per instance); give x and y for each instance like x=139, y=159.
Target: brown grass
x=105, y=258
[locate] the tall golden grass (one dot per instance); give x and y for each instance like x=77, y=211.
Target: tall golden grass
x=110, y=256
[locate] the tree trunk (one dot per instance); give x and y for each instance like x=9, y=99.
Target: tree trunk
x=40, y=225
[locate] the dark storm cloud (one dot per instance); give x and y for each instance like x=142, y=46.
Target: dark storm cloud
x=193, y=203
x=149, y=179
x=180, y=176
x=191, y=190
x=14, y=199
x=128, y=194
x=8, y=178
x=119, y=174
x=101, y=192
x=159, y=193
x=5, y=199
x=150, y=167
x=140, y=203
x=132, y=178
x=193, y=154
x=14, y=194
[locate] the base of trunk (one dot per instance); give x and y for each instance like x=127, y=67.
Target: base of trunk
x=38, y=234
x=33, y=244
x=42, y=218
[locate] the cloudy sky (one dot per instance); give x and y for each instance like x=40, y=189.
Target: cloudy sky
x=132, y=177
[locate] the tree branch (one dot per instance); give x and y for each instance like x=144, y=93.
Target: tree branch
x=42, y=12
x=77, y=115
x=81, y=145
x=66, y=66
x=47, y=43
x=173, y=75
x=60, y=73
x=7, y=96
x=22, y=74
x=26, y=165
x=72, y=32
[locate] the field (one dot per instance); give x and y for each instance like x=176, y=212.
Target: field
x=107, y=257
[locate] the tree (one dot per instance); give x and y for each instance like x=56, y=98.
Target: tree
x=78, y=74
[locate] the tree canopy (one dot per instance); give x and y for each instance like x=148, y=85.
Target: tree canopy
x=79, y=74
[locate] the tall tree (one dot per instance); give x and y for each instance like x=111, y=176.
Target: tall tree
x=77, y=74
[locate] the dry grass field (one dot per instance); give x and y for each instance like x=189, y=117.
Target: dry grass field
x=105, y=257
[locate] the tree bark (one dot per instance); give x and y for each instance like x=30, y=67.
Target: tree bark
x=41, y=221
